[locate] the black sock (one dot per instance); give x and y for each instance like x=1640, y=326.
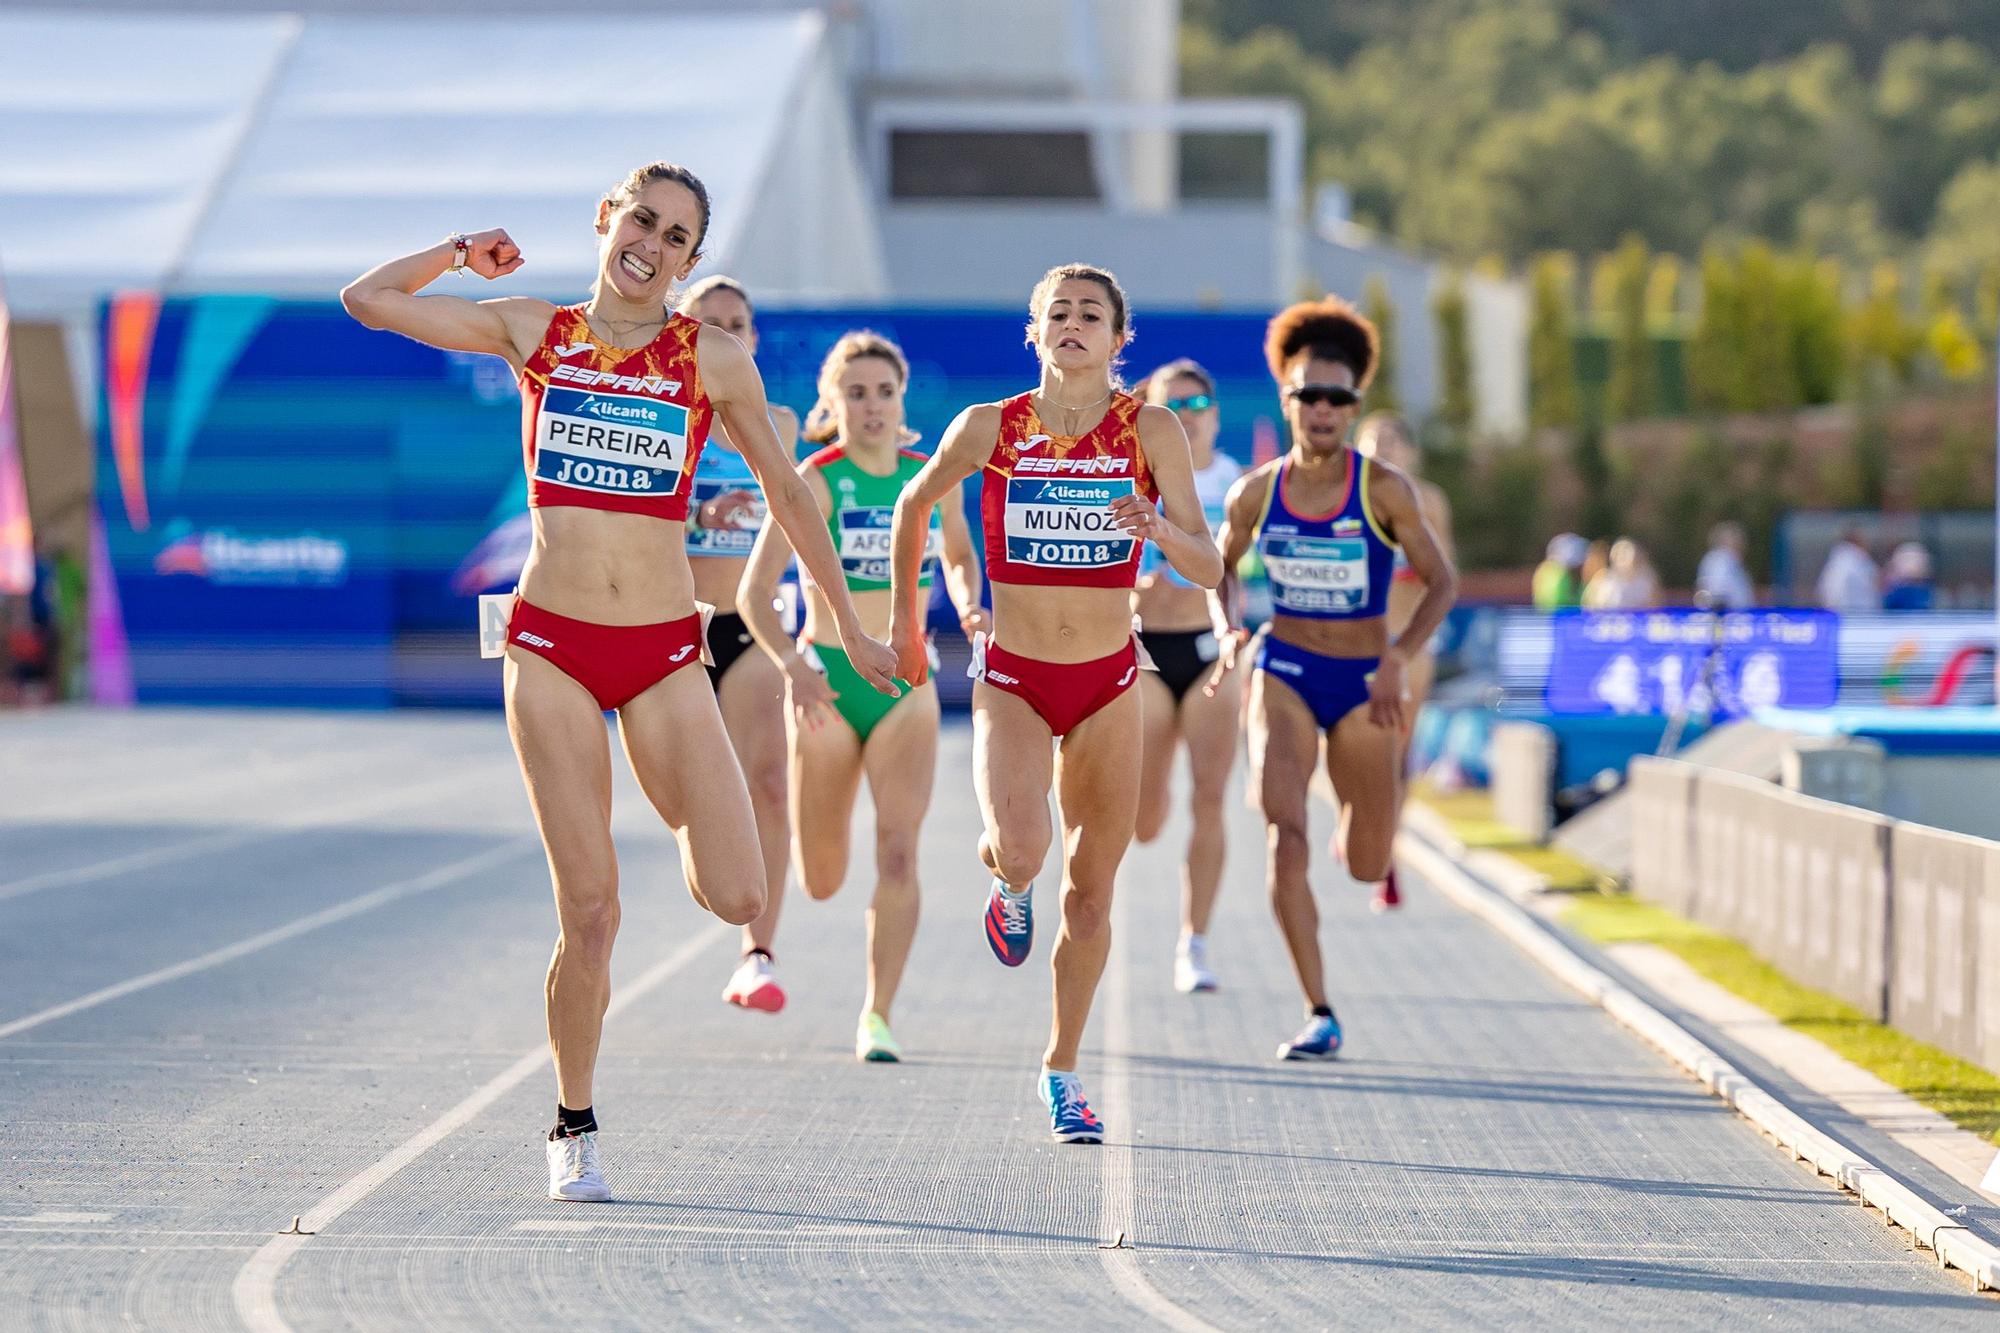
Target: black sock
x=573, y=1122
x=1319, y=1011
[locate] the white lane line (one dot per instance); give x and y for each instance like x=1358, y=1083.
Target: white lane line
x=374, y=803
x=571, y=1228
x=577, y=1225
x=1117, y=1217
x=255, y=1290
x=388, y=893
x=1953, y=1244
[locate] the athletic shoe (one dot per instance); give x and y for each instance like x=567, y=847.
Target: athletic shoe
x=1387, y=897
x=1010, y=923
x=1191, y=972
x=873, y=1041
x=573, y=1171
x=1319, y=1039
x=1070, y=1118
x=755, y=986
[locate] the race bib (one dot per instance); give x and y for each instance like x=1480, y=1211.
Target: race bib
x=864, y=542
x=610, y=443
x=1317, y=574
x=496, y=609
x=723, y=541
x=1066, y=524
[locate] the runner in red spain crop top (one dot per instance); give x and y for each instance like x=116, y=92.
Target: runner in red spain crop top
x=617, y=400
x=1070, y=475
x=1045, y=501
x=613, y=428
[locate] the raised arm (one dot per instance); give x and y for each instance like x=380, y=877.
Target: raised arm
x=968, y=442
x=757, y=603
x=1182, y=535
x=1225, y=601
x=385, y=297
x=737, y=391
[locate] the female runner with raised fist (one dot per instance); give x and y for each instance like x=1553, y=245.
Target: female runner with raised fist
x=617, y=393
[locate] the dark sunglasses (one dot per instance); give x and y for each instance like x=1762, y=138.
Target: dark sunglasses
x=1312, y=395
x=1194, y=402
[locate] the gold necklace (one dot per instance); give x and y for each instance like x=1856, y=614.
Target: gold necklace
x=624, y=328
x=1070, y=413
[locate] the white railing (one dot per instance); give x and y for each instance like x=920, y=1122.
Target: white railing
x=1900, y=920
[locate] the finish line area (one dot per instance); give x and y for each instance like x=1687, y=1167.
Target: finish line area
x=259, y=966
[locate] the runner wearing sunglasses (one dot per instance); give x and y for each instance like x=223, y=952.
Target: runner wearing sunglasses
x=1180, y=636
x=1326, y=523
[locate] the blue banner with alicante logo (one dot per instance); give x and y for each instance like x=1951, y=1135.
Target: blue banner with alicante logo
x=300, y=510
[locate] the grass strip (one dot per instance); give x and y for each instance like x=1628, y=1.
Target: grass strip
x=1470, y=814
x=1964, y=1093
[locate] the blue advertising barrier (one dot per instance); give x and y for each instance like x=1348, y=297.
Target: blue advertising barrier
x=301, y=511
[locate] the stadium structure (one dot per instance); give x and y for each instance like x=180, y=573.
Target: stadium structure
x=860, y=152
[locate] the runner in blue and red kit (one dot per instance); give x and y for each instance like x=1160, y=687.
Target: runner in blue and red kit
x=724, y=514
x=1326, y=523
x=1068, y=474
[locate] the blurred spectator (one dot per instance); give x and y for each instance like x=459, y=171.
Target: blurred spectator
x=1906, y=583
x=27, y=648
x=1596, y=560
x=1849, y=580
x=1722, y=578
x=1558, y=583
x=1626, y=583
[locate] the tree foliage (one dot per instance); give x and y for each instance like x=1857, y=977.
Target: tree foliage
x=1448, y=308
x=1862, y=129
x=1552, y=388
x=1631, y=393
x=1381, y=312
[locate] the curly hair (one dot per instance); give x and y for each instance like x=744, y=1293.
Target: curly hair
x=1328, y=329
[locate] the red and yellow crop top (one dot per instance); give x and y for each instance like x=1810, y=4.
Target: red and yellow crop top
x=1045, y=500
x=609, y=427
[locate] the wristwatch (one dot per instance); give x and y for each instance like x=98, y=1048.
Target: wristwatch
x=460, y=251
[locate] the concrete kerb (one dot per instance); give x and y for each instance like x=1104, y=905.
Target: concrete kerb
x=1950, y=1242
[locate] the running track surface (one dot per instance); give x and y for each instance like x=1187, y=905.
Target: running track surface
x=1492, y=1152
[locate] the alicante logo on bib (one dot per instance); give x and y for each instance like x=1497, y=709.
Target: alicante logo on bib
x=1066, y=523
x=1316, y=574
x=612, y=443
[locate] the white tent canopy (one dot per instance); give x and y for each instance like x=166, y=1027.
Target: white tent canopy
x=284, y=153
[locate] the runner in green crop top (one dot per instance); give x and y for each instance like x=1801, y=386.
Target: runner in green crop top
x=837, y=733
